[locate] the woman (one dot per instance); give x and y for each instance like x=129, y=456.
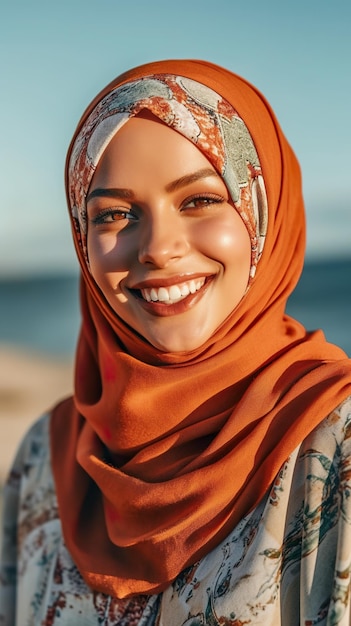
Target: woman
x=200, y=473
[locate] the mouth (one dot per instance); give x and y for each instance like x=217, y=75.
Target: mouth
x=173, y=297
x=174, y=293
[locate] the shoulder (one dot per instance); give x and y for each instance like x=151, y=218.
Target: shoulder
x=29, y=501
x=334, y=432
x=30, y=487
x=324, y=454
x=34, y=441
x=32, y=455
x=342, y=414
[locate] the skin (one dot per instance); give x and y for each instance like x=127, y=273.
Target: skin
x=160, y=216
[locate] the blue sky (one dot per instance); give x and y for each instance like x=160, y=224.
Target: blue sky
x=56, y=56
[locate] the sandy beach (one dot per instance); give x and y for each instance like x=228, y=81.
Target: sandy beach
x=29, y=385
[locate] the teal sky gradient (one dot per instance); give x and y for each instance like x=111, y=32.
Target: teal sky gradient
x=55, y=57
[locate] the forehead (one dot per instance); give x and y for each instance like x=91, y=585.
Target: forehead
x=145, y=146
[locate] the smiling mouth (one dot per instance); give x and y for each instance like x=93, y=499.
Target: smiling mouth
x=173, y=293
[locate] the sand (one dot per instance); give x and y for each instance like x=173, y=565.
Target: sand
x=30, y=384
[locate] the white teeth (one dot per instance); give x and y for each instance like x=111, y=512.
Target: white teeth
x=163, y=294
x=153, y=295
x=184, y=289
x=174, y=293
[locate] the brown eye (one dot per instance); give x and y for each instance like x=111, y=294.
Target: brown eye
x=110, y=216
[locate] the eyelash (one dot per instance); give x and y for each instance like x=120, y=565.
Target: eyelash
x=204, y=200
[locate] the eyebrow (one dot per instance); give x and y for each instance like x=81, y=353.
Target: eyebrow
x=190, y=178
x=111, y=192
x=128, y=194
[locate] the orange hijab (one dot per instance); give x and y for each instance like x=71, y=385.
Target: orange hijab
x=201, y=436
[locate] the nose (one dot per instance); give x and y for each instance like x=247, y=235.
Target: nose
x=164, y=239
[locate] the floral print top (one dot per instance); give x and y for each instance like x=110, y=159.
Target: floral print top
x=286, y=563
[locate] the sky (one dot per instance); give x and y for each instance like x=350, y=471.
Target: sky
x=56, y=56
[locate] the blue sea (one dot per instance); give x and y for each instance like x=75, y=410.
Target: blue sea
x=42, y=313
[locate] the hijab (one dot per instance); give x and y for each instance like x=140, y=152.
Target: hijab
x=158, y=456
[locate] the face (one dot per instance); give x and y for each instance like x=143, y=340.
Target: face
x=166, y=247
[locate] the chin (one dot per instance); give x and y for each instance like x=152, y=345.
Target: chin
x=178, y=345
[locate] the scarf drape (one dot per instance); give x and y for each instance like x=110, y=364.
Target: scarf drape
x=158, y=456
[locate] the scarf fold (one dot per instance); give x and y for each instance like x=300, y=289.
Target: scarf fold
x=158, y=456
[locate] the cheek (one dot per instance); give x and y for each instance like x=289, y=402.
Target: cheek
x=107, y=253
x=226, y=240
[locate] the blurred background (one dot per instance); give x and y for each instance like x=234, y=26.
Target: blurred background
x=55, y=57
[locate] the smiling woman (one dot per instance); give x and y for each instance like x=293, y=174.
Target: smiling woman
x=201, y=469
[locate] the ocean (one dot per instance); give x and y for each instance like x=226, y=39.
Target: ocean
x=42, y=313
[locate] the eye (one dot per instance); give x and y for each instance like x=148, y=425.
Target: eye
x=202, y=201
x=113, y=216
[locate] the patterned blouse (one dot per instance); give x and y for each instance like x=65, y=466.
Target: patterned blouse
x=286, y=563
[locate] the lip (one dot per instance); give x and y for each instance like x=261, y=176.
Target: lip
x=160, y=309
x=168, y=281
